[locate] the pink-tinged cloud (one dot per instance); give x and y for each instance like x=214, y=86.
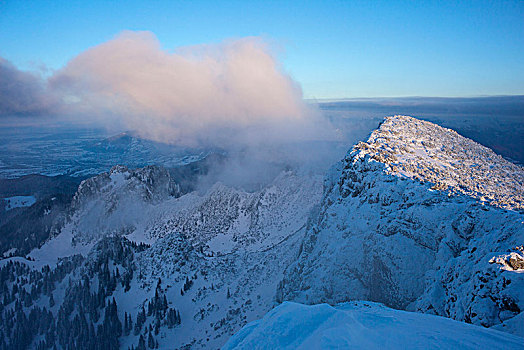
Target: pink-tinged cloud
x=187, y=96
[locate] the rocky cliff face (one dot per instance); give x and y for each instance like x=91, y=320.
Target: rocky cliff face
x=151, y=183
x=412, y=218
x=119, y=201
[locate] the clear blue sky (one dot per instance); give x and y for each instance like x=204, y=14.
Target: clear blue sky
x=333, y=49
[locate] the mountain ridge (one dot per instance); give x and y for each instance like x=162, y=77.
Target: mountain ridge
x=396, y=239
x=188, y=268
x=409, y=147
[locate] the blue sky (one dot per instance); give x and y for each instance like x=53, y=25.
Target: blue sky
x=334, y=49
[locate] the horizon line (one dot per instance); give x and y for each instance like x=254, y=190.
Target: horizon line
x=343, y=99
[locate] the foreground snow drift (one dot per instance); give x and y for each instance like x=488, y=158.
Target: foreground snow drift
x=363, y=325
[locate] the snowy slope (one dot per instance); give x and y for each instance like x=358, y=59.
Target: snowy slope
x=408, y=218
x=427, y=152
x=388, y=231
x=225, y=219
x=19, y=202
x=363, y=325
x=233, y=246
x=219, y=253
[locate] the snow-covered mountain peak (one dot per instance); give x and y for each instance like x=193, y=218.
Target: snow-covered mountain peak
x=383, y=235
x=150, y=182
x=425, y=151
x=117, y=201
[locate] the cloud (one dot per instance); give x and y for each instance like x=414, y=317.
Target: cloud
x=233, y=96
x=234, y=91
x=22, y=93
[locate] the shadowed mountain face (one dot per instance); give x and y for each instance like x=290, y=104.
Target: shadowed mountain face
x=415, y=218
x=26, y=227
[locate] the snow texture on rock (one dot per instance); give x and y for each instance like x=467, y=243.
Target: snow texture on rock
x=219, y=254
x=390, y=231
